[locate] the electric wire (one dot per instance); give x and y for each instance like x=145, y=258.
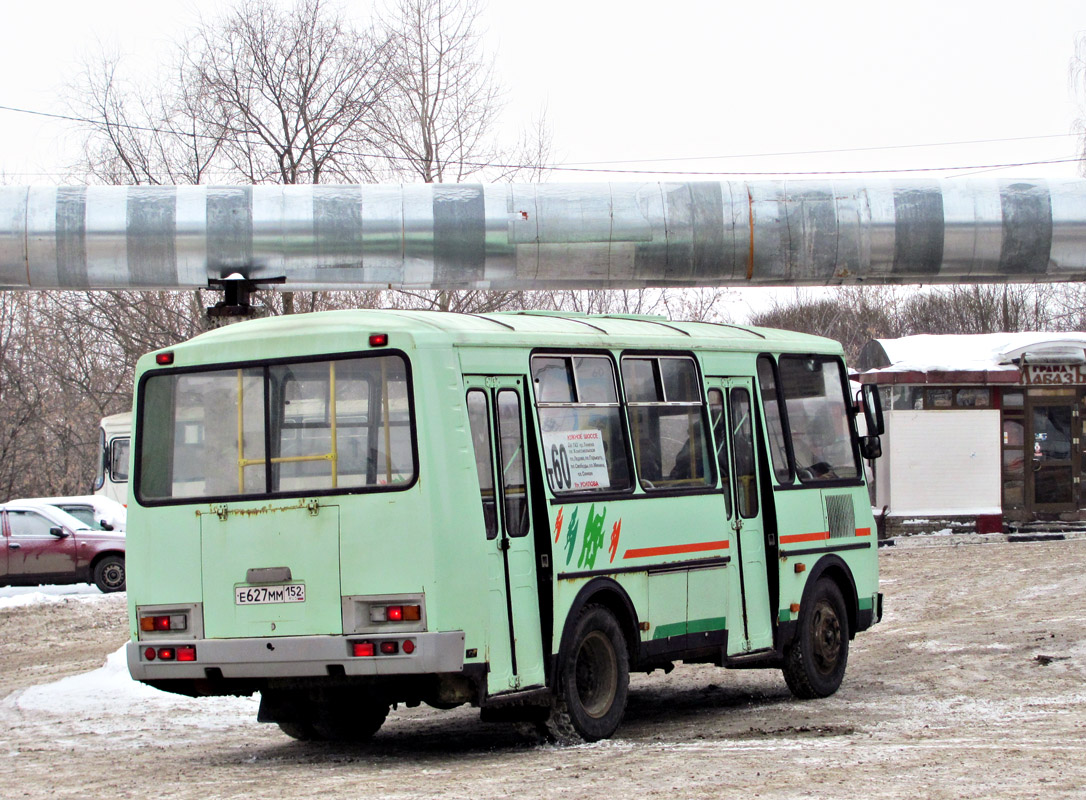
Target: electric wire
x=605, y=170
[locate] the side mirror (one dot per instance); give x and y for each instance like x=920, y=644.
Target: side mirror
x=872, y=403
x=58, y=531
x=105, y=525
x=870, y=447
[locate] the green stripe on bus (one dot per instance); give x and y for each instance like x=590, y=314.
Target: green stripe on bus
x=866, y=603
x=709, y=624
x=785, y=615
x=693, y=626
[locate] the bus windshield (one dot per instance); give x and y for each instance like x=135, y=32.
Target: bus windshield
x=276, y=429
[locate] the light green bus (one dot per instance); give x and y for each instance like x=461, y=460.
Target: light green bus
x=347, y=510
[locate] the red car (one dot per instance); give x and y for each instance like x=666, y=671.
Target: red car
x=42, y=544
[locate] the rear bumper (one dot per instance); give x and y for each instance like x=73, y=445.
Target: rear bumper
x=299, y=656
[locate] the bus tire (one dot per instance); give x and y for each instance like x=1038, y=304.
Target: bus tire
x=302, y=731
x=340, y=720
x=593, y=681
x=814, y=663
x=109, y=574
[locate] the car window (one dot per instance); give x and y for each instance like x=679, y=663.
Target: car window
x=28, y=523
x=84, y=514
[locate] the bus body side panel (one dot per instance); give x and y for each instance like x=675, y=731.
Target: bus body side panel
x=846, y=530
x=436, y=537
x=671, y=556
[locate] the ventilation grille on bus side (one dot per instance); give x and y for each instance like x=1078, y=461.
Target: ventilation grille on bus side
x=841, y=515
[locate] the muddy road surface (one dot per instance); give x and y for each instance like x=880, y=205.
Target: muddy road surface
x=973, y=686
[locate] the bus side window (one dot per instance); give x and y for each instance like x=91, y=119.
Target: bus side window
x=720, y=439
x=664, y=400
x=577, y=400
x=746, y=477
x=479, y=422
x=514, y=486
x=774, y=420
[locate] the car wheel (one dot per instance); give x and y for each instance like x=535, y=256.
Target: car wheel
x=814, y=663
x=109, y=574
x=593, y=681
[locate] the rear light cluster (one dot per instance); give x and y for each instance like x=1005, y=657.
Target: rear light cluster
x=395, y=613
x=184, y=652
x=388, y=647
x=165, y=622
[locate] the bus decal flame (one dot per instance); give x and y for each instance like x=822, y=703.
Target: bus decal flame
x=571, y=536
x=614, y=539
x=593, y=538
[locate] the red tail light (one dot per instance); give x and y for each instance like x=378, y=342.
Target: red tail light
x=164, y=622
x=164, y=359
x=362, y=649
x=378, y=339
x=389, y=648
x=186, y=652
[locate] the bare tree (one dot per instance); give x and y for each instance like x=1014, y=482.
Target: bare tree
x=294, y=92
x=164, y=137
x=437, y=120
x=262, y=93
x=983, y=308
x=852, y=315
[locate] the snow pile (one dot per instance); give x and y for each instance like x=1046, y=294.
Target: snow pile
x=108, y=699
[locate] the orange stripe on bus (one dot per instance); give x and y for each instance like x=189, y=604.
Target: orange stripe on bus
x=675, y=549
x=863, y=531
x=804, y=537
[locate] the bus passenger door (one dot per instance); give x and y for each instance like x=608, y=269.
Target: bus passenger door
x=515, y=649
x=731, y=409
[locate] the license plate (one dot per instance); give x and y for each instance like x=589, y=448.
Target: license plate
x=254, y=595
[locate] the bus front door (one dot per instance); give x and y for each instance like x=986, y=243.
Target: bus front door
x=731, y=406
x=515, y=649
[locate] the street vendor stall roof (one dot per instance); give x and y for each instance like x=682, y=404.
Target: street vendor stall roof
x=986, y=352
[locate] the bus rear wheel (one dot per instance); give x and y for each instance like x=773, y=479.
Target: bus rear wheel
x=814, y=664
x=349, y=720
x=593, y=681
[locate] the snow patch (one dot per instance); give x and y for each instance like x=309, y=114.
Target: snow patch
x=18, y=596
x=108, y=699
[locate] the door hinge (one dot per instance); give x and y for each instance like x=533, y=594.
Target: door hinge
x=221, y=512
x=313, y=507
x=545, y=561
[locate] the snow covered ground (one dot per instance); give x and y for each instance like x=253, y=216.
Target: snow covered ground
x=13, y=596
x=80, y=696
x=972, y=686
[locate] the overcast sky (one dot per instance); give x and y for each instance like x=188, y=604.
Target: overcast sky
x=715, y=83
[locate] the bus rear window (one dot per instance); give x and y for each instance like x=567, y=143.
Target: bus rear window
x=298, y=428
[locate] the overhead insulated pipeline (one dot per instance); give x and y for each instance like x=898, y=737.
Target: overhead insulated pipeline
x=616, y=235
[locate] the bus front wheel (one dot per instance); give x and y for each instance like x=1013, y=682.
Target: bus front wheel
x=593, y=680
x=814, y=664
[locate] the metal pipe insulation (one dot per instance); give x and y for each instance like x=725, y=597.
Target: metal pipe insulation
x=616, y=235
